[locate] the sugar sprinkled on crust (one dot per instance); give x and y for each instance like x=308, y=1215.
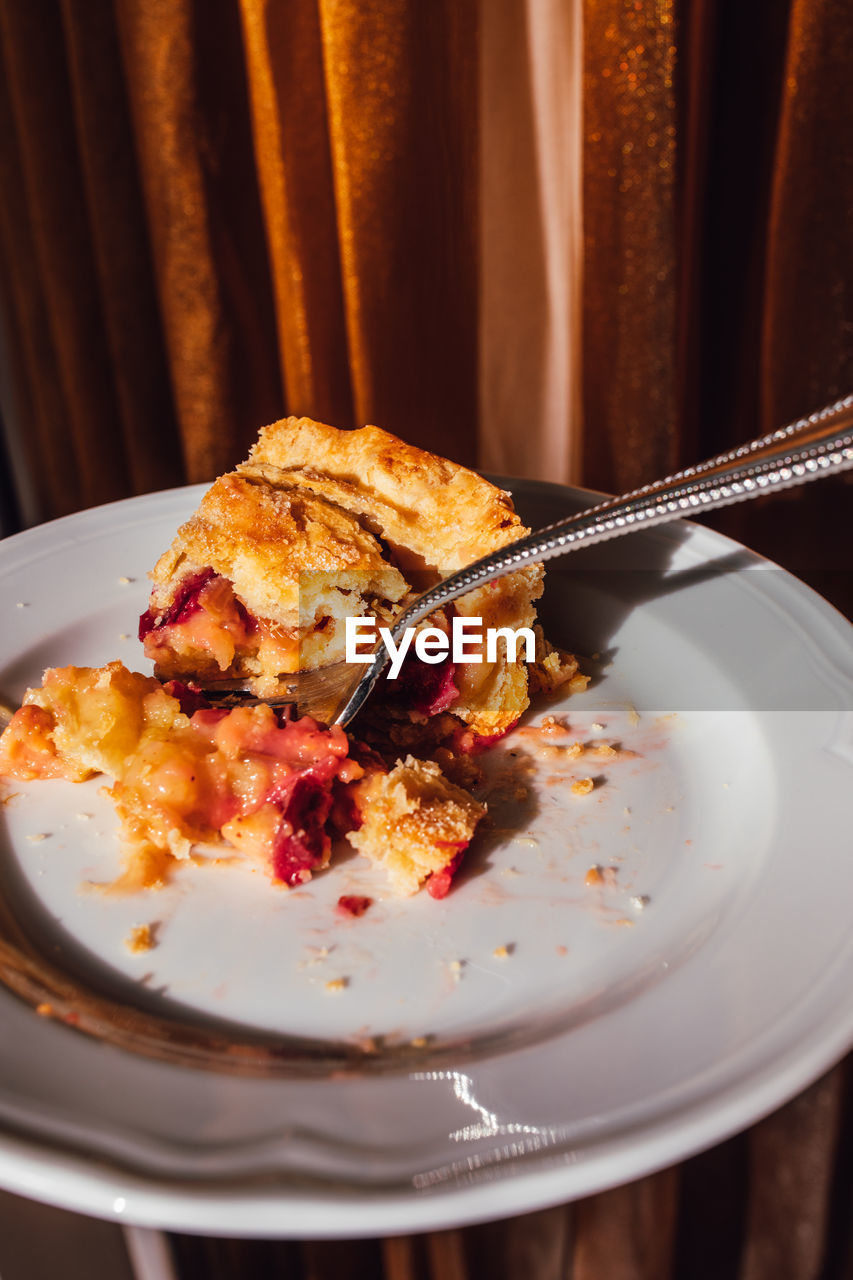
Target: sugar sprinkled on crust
x=403, y=492
x=263, y=537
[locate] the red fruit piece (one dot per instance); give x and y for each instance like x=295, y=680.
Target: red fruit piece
x=350, y=904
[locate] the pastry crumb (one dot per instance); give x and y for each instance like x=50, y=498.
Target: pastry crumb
x=83, y=817
x=640, y=901
x=124, y=635
x=582, y=787
x=21, y=604
x=316, y=955
x=598, y=727
x=124, y=581
x=561, y=950
x=562, y=753
x=602, y=875
x=337, y=984
x=606, y=750
x=36, y=837
x=142, y=937
x=504, y=951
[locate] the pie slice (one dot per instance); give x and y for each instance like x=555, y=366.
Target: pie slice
x=320, y=524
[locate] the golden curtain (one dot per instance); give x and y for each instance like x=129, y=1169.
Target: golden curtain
x=217, y=212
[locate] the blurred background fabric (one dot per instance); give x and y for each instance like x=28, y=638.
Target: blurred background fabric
x=216, y=213
x=584, y=240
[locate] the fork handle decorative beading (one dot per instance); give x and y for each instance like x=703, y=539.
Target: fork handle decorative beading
x=818, y=445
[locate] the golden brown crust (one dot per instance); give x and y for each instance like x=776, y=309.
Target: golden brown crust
x=262, y=536
x=422, y=504
x=415, y=822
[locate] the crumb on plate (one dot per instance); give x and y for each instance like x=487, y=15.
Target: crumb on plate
x=141, y=938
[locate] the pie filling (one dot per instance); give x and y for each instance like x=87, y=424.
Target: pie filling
x=209, y=634
x=274, y=787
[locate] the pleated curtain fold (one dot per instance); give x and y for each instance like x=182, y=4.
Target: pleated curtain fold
x=217, y=212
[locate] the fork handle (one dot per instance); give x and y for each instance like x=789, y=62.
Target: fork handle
x=818, y=445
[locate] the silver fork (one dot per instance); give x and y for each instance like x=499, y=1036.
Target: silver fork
x=819, y=445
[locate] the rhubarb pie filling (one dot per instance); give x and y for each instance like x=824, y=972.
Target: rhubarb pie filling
x=274, y=788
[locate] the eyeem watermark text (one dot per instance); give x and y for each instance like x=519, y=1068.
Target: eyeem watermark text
x=431, y=644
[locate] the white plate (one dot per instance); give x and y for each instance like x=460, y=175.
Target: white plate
x=632, y=1023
